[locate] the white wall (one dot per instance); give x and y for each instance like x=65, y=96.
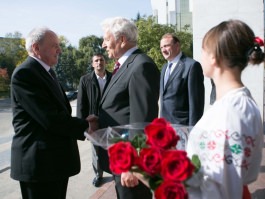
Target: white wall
x=208, y=13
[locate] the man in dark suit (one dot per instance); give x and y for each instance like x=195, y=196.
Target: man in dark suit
x=44, y=151
x=181, y=96
x=90, y=90
x=130, y=97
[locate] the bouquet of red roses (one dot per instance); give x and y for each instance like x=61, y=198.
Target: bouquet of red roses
x=154, y=155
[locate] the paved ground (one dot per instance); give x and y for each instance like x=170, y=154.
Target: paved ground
x=80, y=186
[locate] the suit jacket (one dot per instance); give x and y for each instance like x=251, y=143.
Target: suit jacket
x=44, y=146
x=131, y=96
x=182, y=99
x=89, y=95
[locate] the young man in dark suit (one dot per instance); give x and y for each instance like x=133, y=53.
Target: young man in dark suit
x=90, y=90
x=44, y=152
x=181, y=85
x=130, y=97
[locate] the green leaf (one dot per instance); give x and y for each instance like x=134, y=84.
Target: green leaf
x=196, y=162
x=155, y=181
x=139, y=141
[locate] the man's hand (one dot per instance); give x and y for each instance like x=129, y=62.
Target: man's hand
x=129, y=180
x=93, y=123
x=141, y=178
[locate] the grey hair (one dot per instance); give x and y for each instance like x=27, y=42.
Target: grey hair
x=35, y=36
x=121, y=26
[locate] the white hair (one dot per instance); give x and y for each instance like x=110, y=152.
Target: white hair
x=35, y=36
x=121, y=26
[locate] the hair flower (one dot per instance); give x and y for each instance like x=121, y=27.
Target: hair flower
x=259, y=41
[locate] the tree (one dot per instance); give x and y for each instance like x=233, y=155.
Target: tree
x=90, y=45
x=12, y=51
x=66, y=69
x=12, y=54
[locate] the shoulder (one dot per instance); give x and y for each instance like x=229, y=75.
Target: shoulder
x=26, y=68
x=237, y=108
x=87, y=77
x=241, y=101
x=188, y=60
x=141, y=59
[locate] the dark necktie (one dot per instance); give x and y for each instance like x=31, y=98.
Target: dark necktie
x=51, y=71
x=116, y=68
x=167, y=74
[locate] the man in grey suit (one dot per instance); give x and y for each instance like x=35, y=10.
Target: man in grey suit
x=130, y=97
x=181, y=96
x=90, y=90
x=44, y=152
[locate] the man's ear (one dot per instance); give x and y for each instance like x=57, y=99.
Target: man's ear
x=35, y=48
x=123, y=40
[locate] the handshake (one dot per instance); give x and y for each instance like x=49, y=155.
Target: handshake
x=93, y=123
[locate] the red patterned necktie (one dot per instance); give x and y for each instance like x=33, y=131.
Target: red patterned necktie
x=116, y=68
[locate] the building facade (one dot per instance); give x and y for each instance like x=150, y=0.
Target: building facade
x=173, y=12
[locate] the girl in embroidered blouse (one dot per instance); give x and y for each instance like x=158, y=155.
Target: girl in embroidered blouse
x=228, y=138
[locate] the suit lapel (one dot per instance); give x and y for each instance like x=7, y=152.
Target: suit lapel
x=113, y=81
x=162, y=77
x=177, y=70
x=46, y=77
x=119, y=73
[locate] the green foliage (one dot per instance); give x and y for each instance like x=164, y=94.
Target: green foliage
x=66, y=69
x=196, y=162
x=139, y=141
x=4, y=84
x=154, y=182
x=12, y=51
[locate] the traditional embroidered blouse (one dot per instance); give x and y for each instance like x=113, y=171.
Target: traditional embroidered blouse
x=228, y=140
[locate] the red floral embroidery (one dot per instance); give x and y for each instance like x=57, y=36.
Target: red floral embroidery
x=245, y=164
x=247, y=152
x=217, y=157
x=249, y=140
x=211, y=145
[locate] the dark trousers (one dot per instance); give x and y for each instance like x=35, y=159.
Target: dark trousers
x=44, y=190
x=95, y=163
x=140, y=191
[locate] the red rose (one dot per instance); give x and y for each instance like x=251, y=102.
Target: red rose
x=150, y=160
x=171, y=190
x=121, y=157
x=176, y=166
x=161, y=134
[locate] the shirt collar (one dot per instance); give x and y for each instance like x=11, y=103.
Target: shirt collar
x=45, y=66
x=124, y=57
x=176, y=59
x=98, y=77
